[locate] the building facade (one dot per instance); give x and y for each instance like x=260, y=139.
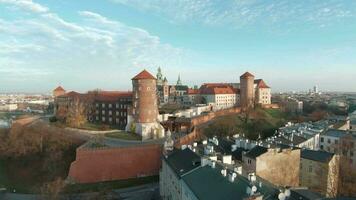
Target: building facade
x=219, y=95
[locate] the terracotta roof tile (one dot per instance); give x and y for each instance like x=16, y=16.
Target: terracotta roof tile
x=111, y=95
x=217, y=88
x=192, y=91
x=143, y=75
x=261, y=84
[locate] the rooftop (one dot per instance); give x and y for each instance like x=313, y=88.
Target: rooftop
x=256, y=151
x=208, y=183
x=319, y=156
x=217, y=88
x=59, y=88
x=261, y=84
x=143, y=75
x=247, y=74
x=183, y=161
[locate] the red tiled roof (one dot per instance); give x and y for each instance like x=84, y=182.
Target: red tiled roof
x=261, y=84
x=143, y=75
x=192, y=91
x=59, y=88
x=247, y=74
x=111, y=95
x=217, y=88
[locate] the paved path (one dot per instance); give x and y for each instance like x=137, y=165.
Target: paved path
x=142, y=192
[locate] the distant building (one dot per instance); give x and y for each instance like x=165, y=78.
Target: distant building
x=352, y=117
x=8, y=107
x=191, y=97
x=102, y=107
x=294, y=106
x=219, y=95
x=170, y=93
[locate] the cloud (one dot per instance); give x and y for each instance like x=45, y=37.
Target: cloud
x=27, y=5
x=45, y=46
x=243, y=13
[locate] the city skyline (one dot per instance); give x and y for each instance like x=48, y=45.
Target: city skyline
x=102, y=44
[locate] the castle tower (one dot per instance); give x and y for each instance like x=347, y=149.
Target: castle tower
x=247, y=93
x=144, y=116
x=58, y=92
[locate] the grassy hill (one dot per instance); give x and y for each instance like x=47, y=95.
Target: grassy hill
x=257, y=122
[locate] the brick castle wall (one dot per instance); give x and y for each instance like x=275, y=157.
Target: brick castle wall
x=196, y=134
x=199, y=120
x=107, y=164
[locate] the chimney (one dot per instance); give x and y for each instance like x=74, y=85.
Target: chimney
x=224, y=172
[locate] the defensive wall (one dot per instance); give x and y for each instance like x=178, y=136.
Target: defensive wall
x=118, y=163
x=197, y=121
x=115, y=163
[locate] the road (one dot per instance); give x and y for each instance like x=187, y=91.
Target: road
x=143, y=192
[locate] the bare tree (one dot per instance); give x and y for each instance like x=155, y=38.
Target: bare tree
x=52, y=189
x=77, y=113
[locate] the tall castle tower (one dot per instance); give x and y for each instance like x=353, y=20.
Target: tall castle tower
x=247, y=92
x=144, y=116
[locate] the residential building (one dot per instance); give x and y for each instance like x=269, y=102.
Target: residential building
x=174, y=166
x=262, y=92
x=318, y=171
x=249, y=158
x=294, y=106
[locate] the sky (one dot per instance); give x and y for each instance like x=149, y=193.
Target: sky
x=101, y=44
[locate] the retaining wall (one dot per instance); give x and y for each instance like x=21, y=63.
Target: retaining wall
x=107, y=164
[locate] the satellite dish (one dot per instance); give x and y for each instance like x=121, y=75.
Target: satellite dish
x=254, y=189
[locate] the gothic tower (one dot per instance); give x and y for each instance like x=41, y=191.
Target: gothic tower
x=144, y=112
x=247, y=93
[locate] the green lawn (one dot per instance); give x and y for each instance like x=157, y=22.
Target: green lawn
x=109, y=185
x=123, y=135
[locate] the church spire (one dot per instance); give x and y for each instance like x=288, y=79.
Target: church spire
x=179, y=82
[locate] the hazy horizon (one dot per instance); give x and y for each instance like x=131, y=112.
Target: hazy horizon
x=80, y=45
